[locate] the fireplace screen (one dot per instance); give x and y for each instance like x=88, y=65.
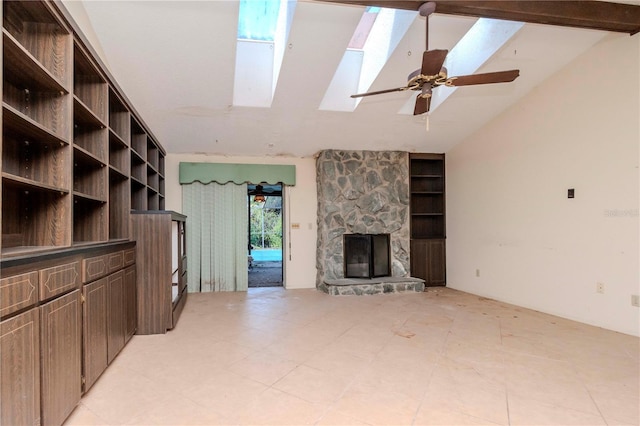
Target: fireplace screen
x=366, y=255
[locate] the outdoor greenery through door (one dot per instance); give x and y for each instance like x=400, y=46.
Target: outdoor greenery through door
x=265, y=235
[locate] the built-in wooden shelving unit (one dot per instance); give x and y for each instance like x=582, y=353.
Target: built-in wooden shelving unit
x=76, y=157
x=428, y=227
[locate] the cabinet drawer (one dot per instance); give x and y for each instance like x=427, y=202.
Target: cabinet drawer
x=115, y=261
x=18, y=292
x=94, y=268
x=129, y=257
x=101, y=266
x=58, y=279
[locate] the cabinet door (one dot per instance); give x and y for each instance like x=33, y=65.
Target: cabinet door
x=428, y=261
x=130, y=303
x=95, y=331
x=437, y=263
x=20, y=369
x=61, y=347
x=419, y=256
x=115, y=314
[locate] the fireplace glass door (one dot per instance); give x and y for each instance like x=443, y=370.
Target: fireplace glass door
x=366, y=255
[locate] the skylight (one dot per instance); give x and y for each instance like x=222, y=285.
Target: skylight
x=263, y=29
x=374, y=40
x=258, y=19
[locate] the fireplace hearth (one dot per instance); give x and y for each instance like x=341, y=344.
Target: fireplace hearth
x=366, y=255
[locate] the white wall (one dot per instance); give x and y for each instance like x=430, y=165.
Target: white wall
x=301, y=209
x=79, y=14
x=508, y=214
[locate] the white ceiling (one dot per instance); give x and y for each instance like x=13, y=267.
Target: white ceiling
x=175, y=61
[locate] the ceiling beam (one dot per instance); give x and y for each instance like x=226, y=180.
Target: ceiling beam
x=595, y=15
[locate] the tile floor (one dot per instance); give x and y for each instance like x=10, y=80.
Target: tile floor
x=272, y=356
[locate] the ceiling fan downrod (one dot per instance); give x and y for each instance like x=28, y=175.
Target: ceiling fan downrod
x=425, y=10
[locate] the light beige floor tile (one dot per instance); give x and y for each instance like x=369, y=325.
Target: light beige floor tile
x=526, y=411
x=432, y=415
x=82, y=416
x=264, y=366
x=274, y=407
x=377, y=406
x=225, y=393
x=313, y=385
x=336, y=418
x=460, y=389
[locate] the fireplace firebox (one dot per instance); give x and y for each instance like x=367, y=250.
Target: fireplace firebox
x=366, y=255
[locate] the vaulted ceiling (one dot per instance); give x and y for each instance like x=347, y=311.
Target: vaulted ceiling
x=175, y=61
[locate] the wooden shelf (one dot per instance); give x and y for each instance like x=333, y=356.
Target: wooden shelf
x=88, y=197
x=14, y=122
x=138, y=139
x=34, y=214
x=89, y=88
x=119, y=118
x=39, y=32
x=17, y=59
x=30, y=184
x=90, y=219
x=89, y=175
x=81, y=154
x=84, y=115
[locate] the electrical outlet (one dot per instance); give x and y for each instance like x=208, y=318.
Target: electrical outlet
x=477, y=272
x=600, y=288
x=635, y=300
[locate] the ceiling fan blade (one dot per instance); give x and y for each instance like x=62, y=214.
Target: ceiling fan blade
x=422, y=105
x=379, y=92
x=487, y=78
x=432, y=61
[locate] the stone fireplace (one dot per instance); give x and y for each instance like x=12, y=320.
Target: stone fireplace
x=362, y=192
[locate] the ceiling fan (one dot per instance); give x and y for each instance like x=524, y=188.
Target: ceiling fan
x=432, y=74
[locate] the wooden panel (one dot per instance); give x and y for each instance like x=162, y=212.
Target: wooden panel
x=419, y=256
x=115, y=315
x=437, y=263
x=61, y=348
x=129, y=257
x=94, y=268
x=94, y=335
x=18, y=292
x=116, y=261
x=597, y=15
x=20, y=369
x=59, y=279
x=130, y=303
x=152, y=233
x=177, y=310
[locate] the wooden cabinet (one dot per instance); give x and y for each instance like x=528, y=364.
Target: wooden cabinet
x=60, y=337
x=64, y=318
x=428, y=225
x=20, y=369
x=428, y=261
x=161, y=269
x=75, y=157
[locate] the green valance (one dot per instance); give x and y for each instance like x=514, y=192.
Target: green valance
x=237, y=173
